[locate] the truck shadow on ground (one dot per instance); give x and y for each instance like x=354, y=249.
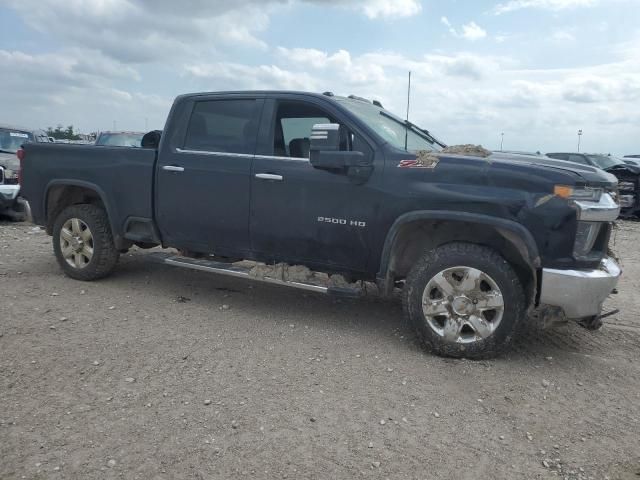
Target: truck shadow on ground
x=377, y=318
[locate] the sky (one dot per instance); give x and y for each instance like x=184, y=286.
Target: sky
x=536, y=70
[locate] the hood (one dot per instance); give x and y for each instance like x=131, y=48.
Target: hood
x=9, y=161
x=592, y=176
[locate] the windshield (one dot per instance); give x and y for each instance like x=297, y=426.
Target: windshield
x=120, y=139
x=605, y=161
x=12, y=140
x=390, y=127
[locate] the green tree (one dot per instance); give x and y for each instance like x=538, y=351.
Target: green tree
x=61, y=133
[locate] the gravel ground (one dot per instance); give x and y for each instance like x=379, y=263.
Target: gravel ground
x=161, y=373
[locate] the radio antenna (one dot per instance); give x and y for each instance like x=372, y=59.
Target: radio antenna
x=406, y=127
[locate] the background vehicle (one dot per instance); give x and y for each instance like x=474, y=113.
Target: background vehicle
x=11, y=138
x=119, y=139
x=628, y=176
x=340, y=185
x=632, y=160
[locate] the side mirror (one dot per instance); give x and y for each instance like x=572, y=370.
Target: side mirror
x=324, y=148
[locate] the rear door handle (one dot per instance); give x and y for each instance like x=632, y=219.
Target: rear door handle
x=269, y=176
x=173, y=168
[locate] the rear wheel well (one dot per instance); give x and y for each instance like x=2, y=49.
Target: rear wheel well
x=415, y=238
x=60, y=197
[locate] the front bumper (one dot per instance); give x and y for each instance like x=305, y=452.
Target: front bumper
x=8, y=195
x=580, y=293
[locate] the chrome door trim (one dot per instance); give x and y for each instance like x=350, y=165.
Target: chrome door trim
x=173, y=168
x=269, y=176
x=240, y=155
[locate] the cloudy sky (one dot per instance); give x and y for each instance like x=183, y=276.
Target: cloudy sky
x=537, y=70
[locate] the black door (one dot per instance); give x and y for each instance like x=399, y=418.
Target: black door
x=203, y=187
x=302, y=214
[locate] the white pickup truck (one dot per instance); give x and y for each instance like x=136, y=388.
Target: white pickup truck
x=11, y=138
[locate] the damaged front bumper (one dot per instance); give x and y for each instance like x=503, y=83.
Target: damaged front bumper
x=579, y=293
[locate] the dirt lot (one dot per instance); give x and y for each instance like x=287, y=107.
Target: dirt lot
x=160, y=373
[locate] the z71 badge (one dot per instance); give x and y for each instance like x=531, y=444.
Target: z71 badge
x=423, y=160
x=342, y=221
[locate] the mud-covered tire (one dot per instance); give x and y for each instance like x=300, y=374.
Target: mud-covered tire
x=104, y=254
x=496, y=269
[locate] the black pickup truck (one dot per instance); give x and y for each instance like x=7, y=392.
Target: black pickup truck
x=341, y=186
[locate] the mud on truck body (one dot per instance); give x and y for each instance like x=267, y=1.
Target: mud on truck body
x=341, y=186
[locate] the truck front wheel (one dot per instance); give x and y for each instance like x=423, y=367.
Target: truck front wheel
x=464, y=300
x=83, y=243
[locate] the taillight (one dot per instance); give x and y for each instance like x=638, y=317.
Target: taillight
x=20, y=154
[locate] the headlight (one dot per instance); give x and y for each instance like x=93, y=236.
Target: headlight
x=586, y=237
x=578, y=193
x=626, y=186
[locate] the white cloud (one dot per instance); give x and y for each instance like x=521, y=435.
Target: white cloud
x=470, y=31
x=466, y=97
x=139, y=31
x=563, y=36
x=554, y=5
x=74, y=87
x=389, y=8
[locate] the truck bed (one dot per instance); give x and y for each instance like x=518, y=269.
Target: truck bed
x=122, y=176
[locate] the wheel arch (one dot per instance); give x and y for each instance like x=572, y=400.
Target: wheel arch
x=414, y=232
x=62, y=193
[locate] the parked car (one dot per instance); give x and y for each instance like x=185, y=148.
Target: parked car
x=632, y=160
x=119, y=139
x=628, y=176
x=11, y=139
x=341, y=186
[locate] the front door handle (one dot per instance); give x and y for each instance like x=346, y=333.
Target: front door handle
x=269, y=176
x=173, y=168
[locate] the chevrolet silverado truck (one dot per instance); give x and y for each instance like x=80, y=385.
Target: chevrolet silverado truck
x=341, y=186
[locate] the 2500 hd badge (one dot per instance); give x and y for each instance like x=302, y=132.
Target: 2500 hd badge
x=342, y=221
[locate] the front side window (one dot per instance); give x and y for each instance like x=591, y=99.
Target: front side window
x=228, y=126
x=12, y=140
x=293, y=124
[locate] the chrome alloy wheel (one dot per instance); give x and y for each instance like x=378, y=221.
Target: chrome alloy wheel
x=462, y=305
x=76, y=243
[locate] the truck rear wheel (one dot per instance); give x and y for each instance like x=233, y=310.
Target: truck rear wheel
x=83, y=243
x=464, y=300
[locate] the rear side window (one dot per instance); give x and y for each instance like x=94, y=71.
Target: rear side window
x=228, y=126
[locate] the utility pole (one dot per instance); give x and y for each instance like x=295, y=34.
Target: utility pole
x=579, y=138
x=406, y=127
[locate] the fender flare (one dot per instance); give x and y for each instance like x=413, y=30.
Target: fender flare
x=509, y=229
x=89, y=186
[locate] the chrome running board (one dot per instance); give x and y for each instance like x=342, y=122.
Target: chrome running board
x=241, y=271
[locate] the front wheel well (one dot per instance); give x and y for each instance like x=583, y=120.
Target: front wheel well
x=414, y=238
